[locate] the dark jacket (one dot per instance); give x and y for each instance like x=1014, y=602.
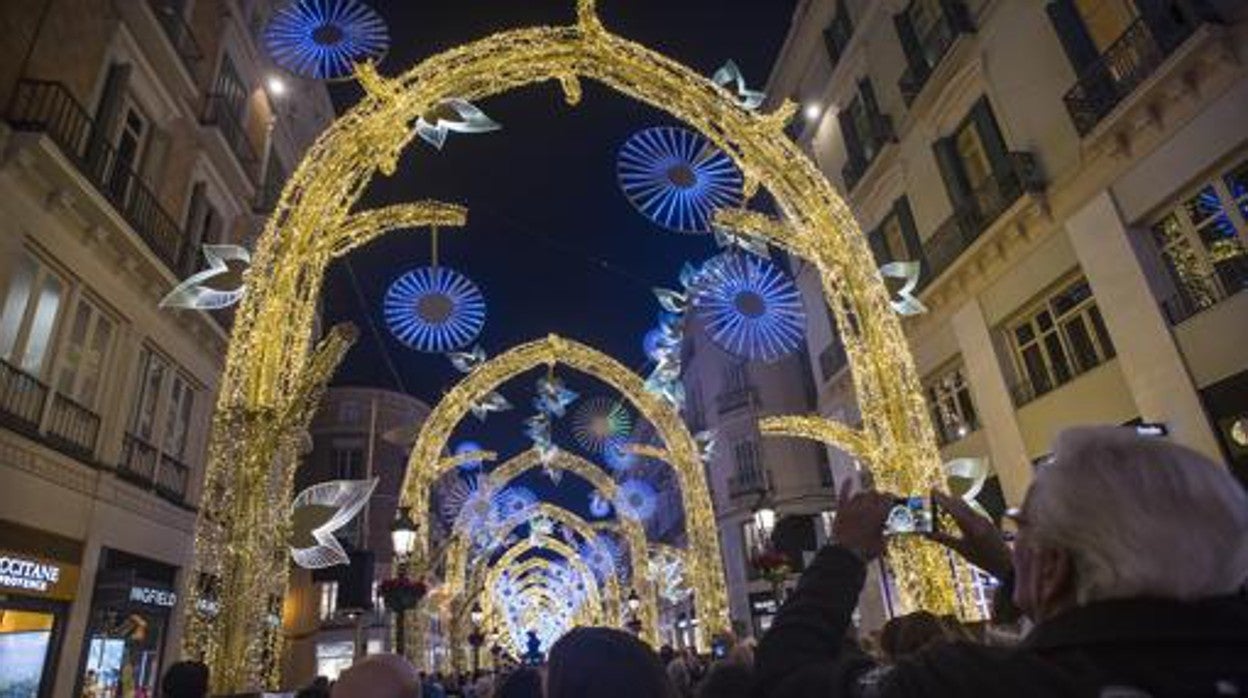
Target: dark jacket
x=1154, y=647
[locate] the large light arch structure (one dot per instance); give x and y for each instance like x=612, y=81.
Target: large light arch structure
x=705, y=568
x=272, y=369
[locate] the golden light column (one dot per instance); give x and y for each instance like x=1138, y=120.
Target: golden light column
x=270, y=358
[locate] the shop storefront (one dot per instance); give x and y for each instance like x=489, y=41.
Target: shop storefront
x=763, y=609
x=130, y=612
x=36, y=589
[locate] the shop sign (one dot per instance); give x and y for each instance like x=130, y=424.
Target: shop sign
x=153, y=597
x=36, y=576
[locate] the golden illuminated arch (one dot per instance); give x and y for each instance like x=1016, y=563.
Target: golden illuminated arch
x=271, y=371
x=705, y=569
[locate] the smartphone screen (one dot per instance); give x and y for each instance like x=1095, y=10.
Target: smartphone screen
x=719, y=649
x=911, y=515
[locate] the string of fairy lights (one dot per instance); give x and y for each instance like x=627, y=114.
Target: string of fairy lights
x=274, y=372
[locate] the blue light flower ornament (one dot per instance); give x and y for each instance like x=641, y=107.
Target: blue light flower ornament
x=434, y=309
x=325, y=39
x=677, y=178
x=749, y=306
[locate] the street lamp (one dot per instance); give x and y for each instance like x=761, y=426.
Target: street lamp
x=634, y=605
x=475, y=638
x=403, y=539
x=764, y=521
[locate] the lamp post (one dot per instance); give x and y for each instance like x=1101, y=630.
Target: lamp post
x=403, y=539
x=634, y=604
x=475, y=638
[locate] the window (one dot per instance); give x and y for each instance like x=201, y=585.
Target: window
x=924, y=16
x=329, y=600
x=333, y=658
x=86, y=350
x=832, y=359
x=31, y=307
x=164, y=406
x=827, y=519
x=953, y=412
x=735, y=378
x=1202, y=241
x=865, y=130
x=348, y=463
x=131, y=138
x=972, y=155
x=1060, y=339
x=1105, y=20
x=752, y=542
x=896, y=238
x=348, y=412
x=836, y=37
x=976, y=166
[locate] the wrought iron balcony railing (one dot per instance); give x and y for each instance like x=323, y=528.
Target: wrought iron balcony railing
x=933, y=46
x=138, y=461
x=985, y=205
x=73, y=427
x=748, y=480
x=22, y=399
x=1124, y=65
x=48, y=107
x=222, y=113
x=178, y=32
x=171, y=478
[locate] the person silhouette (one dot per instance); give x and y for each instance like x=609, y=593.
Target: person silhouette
x=533, y=656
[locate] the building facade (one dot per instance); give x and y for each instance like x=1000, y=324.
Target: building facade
x=1072, y=178
x=132, y=133
x=727, y=396
x=357, y=434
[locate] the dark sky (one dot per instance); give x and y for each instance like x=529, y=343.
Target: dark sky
x=551, y=241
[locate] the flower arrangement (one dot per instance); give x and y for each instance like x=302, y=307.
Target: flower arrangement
x=402, y=593
x=773, y=565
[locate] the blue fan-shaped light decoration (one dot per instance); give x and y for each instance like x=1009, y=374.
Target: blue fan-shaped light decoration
x=617, y=456
x=677, y=178
x=750, y=307
x=324, y=39
x=434, y=309
x=636, y=499
x=514, y=501
x=598, y=421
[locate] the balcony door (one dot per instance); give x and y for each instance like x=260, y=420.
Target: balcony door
x=130, y=138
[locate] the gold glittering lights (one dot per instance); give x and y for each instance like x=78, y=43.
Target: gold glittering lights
x=273, y=372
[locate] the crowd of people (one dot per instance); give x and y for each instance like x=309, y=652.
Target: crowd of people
x=1127, y=577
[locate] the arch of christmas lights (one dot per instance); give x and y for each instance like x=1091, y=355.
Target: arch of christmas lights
x=274, y=371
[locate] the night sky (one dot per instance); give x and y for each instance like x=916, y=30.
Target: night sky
x=551, y=241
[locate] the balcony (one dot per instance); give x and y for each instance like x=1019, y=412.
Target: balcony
x=270, y=189
x=49, y=108
x=22, y=399
x=144, y=465
x=932, y=48
x=985, y=205
x=1123, y=67
x=736, y=399
x=178, y=32
x=880, y=133
x=222, y=113
x=73, y=428
x=748, y=480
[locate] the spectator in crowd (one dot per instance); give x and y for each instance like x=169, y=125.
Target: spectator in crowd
x=185, y=680
x=1130, y=559
x=524, y=682
x=379, y=676
x=604, y=663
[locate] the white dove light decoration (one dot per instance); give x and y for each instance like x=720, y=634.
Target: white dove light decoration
x=318, y=513
x=908, y=272
x=195, y=295
x=471, y=120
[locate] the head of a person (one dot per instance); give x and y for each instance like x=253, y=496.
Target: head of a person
x=605, y=663
x=524, y=682
x=902, y=636
x=1117, y=515
x=185, y=680
x=379, y=676
x=727, y=680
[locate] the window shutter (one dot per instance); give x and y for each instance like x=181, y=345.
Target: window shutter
x=830, y=43
x=867, y=93
x=910, y=233
x=910, y=43
x=853, y=139
x=990, y=135
x=951, y=172
x=957, y=15
x=1070, y=29
x=154, y=157
x=108, y=111
x=194, y=227
x=875, y=239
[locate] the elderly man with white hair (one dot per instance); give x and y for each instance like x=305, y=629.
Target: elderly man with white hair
x=1131, y=561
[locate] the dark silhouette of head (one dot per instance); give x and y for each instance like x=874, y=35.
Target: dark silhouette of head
x=185, y=680
x=524, y=682
x=604, y=663
x=904, y=635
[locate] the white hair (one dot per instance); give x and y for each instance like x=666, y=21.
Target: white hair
x=1141, y=516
